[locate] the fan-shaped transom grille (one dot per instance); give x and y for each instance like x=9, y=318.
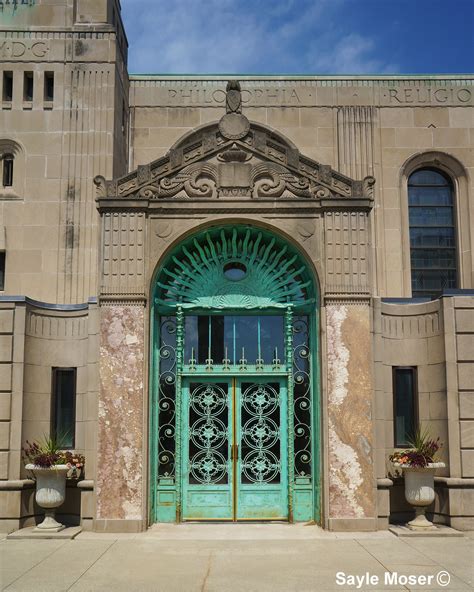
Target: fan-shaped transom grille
x=234, y=267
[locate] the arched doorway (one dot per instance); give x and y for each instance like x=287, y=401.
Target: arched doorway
x=234, y=380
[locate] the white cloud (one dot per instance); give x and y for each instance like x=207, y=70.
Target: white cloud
x=239, y=36
x=352, y=54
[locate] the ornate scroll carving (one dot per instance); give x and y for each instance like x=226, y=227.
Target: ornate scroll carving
x=233, y=158
x=198, y=180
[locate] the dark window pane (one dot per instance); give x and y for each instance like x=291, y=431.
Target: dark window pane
x=64, y=401
x=28, y=86
x=8, y=170
x=2, y=270
x=431, y=216
x=8, y=86
x=427, y=177
x=210, y=339
x=246, y=342
x=404, y=404
x=232, y=337
x=432, y=283
x=432, y=237
x=49, y=86
x=272, y=338
x=190, y=338
x=430, y=196
x=435, y=258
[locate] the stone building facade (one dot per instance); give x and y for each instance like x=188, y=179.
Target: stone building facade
x=201, y=257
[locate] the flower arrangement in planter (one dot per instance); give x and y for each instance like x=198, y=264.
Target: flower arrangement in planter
x=51, y=466
x=419, y=463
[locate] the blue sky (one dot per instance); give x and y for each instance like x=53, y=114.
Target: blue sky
x=300, y=36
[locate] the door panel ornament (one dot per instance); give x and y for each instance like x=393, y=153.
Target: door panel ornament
x=209, y=434
x=261, y=434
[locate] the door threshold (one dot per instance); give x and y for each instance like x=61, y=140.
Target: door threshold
x=240, y=521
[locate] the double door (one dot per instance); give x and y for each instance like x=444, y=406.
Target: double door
x=234, y=449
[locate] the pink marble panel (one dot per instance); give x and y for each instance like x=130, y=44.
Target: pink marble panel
x=121, y=423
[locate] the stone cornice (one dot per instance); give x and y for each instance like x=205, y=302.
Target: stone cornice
x=188, y=207
x=309, y=77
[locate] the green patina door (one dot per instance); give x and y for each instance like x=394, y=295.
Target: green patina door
x=235, y=455
x=234, y=416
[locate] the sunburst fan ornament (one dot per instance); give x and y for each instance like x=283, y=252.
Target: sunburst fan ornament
x=236, y=267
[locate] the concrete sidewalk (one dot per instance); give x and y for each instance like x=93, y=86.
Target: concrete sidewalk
x=221, y=558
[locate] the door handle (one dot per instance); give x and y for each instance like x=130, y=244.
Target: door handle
x=235, y=452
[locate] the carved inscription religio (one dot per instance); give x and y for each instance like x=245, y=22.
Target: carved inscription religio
x=406, y=96
x=16, y=50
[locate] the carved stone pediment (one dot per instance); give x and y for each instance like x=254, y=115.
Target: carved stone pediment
x=234, y=158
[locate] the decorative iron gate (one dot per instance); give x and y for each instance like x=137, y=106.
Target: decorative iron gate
x=233, y=421
x=235, y=459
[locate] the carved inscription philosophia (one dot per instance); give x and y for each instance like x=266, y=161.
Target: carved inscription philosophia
x=312, y=94
x=210, y=96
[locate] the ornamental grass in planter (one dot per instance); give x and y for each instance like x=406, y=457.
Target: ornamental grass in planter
x=419, y=463
x=51, y=466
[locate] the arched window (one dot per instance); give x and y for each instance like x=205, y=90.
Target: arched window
x=7, y=176
x=432, y=233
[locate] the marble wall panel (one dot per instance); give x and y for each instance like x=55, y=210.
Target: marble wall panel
x=120, y=430
x=350, y=424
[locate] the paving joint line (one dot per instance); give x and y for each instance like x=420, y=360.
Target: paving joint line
x=378, y=560
x=92, y=564
x=208, y=571
x=33, y=566
x=442, y=565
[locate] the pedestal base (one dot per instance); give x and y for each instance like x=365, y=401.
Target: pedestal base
x=420, y=522
x=50, y=524
x=437, y=531
x=32, y=532
x=47, y=529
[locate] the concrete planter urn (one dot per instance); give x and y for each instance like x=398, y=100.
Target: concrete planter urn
x=50, y=493
x=419, y=491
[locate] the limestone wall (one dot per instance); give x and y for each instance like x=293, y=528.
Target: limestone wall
x=360, y=126
x=436, y=338
x=49, y=215
x=34, y=339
